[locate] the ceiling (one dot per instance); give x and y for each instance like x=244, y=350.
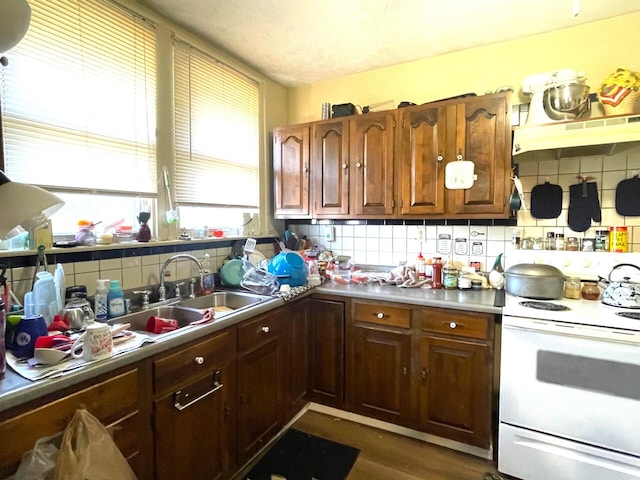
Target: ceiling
x=300, y=42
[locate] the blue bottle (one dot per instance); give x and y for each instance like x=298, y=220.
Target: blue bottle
x=115, y=300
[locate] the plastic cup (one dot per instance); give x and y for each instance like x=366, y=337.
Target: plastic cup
x=161, y=325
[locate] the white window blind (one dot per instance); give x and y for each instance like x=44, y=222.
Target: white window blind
x=79, y=99
x=216, y=132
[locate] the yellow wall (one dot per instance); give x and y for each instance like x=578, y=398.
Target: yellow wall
x=596, y=48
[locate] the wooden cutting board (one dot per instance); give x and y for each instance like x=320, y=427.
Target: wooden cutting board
x=221, y=311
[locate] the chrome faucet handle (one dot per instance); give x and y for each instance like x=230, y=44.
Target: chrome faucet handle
x=178, y=285
x=145, y=297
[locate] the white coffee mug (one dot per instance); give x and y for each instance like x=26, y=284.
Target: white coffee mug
x=96, y=343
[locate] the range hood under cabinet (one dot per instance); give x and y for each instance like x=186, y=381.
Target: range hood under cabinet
x=596, y=136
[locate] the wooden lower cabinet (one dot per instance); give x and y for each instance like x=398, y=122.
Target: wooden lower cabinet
x=118, y=400
x=326, y=321
x=296, y=392
x=262, y=363
x=378, y=374
x=455, y=369
x=193, y=421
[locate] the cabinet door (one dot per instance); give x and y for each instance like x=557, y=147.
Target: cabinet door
x=371, y=161
x=330, y=168
x=484, y=137
x=422, y=155
x=193, y=429
x=291, y=171
x=261, y=385
x=378, y=372
x=299, y=360
x=326, y=352
x=455, y=389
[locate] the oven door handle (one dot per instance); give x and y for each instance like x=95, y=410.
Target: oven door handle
x=569, y=329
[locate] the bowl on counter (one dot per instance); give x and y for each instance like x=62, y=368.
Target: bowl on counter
x=289, y=268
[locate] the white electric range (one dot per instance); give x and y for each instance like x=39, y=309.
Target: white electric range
x=569, y=388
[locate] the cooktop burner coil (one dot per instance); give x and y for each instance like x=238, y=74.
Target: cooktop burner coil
x=544, y=305
x=634, y=315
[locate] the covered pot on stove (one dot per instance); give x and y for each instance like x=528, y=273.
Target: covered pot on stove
x=533, y=280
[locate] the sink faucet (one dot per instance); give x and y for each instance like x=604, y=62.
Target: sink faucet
x=162, y=291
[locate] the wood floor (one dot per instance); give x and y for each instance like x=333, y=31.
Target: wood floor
x=389, y=456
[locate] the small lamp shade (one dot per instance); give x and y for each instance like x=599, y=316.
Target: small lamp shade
x=24, y=207
x=15, y=16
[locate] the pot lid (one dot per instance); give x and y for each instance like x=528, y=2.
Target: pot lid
x=534, y=270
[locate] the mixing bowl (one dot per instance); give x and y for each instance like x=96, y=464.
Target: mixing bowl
x=566, y=102
x=289, y=268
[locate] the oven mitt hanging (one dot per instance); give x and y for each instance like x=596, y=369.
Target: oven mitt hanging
x=583, y=209
x=628, y=197
x=546, y=201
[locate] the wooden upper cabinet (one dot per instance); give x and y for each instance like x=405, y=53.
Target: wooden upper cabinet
x=291, y=171
x=372, y=157
x=330, y=176
x=484, y=137
x=421, y=159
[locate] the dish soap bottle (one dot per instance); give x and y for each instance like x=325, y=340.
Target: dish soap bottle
x=100, y=300
x=207, y=282
x=115, y=300
x=496, y=276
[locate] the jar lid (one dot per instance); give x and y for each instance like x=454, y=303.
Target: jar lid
x=550, y=234
x=559, y=235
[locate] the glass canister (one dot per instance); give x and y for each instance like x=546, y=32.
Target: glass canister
x=572, y=288
x=590, y=291
x=449, y=276
x=572, y=244
x=618, y=239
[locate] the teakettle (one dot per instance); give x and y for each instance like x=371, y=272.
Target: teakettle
x=625, y=294
x=78, y=314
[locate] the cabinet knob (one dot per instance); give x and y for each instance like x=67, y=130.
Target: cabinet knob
x=380, y=315
x=404, y=371
x=453, y=325
x=440, y=158
x=344, y=166
x=358, y=165
x=199, y=360
x=305, y=169
x=424, y=373
x=265, y=329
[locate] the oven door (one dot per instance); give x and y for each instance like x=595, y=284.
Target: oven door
x=574, y=382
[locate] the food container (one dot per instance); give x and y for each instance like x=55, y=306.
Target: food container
x=532, y=280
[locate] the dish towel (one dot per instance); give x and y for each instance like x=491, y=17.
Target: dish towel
x=584, y=206
x=404, y=276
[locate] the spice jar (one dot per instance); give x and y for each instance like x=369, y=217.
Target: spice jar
x=436, y=281
x=590, y=291
x=551, y=241
x=572, y=288
x=560, y=241
x=572, y=244
x=588, y=244
x=449, y=276
x=538, y=243
x=618, y=239
x=602, y=241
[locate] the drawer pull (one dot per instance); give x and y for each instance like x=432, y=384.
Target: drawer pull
x=424, y=373
x=199, y=360
x=380, y=315
x=453, y=324
x=184, y=399
x=265, y=329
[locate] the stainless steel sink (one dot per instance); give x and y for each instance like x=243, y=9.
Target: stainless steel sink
x=139, y=320
x=224, y=302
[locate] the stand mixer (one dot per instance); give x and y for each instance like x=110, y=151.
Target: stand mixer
x=536, y=85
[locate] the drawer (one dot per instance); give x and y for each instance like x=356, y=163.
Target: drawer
x=256, y=332
x=454, y=322
x=112, y=401
x=382, y=314
x=174, y=370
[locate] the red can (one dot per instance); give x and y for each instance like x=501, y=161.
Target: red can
x=475, y=265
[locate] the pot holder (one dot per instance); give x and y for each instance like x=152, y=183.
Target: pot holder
x=584, y=206
x=628, y=197
x=546, y=200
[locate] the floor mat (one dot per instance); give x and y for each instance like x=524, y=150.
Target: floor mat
x=301, y=456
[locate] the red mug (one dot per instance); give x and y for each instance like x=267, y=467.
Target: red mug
x=161, y=325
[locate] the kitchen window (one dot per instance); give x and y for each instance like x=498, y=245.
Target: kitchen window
x=79, y=109
x=216, y=133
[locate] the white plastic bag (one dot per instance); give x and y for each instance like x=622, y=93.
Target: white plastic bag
x=40, y=463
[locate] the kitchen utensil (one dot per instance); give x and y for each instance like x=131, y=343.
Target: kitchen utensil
x=625, y=293
x=161, y=325
x=289, y=269
x=566, y=102
x=45, y=296
x=546, y=200
x=77, y=314
x=232, y=272
x=41, y=262
x=25, y=334
x=627, y=198
x=172, y=213
x=536, y=281
x=50, y=356
x=537, y=85
x=260, y=281
x=95, y=343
